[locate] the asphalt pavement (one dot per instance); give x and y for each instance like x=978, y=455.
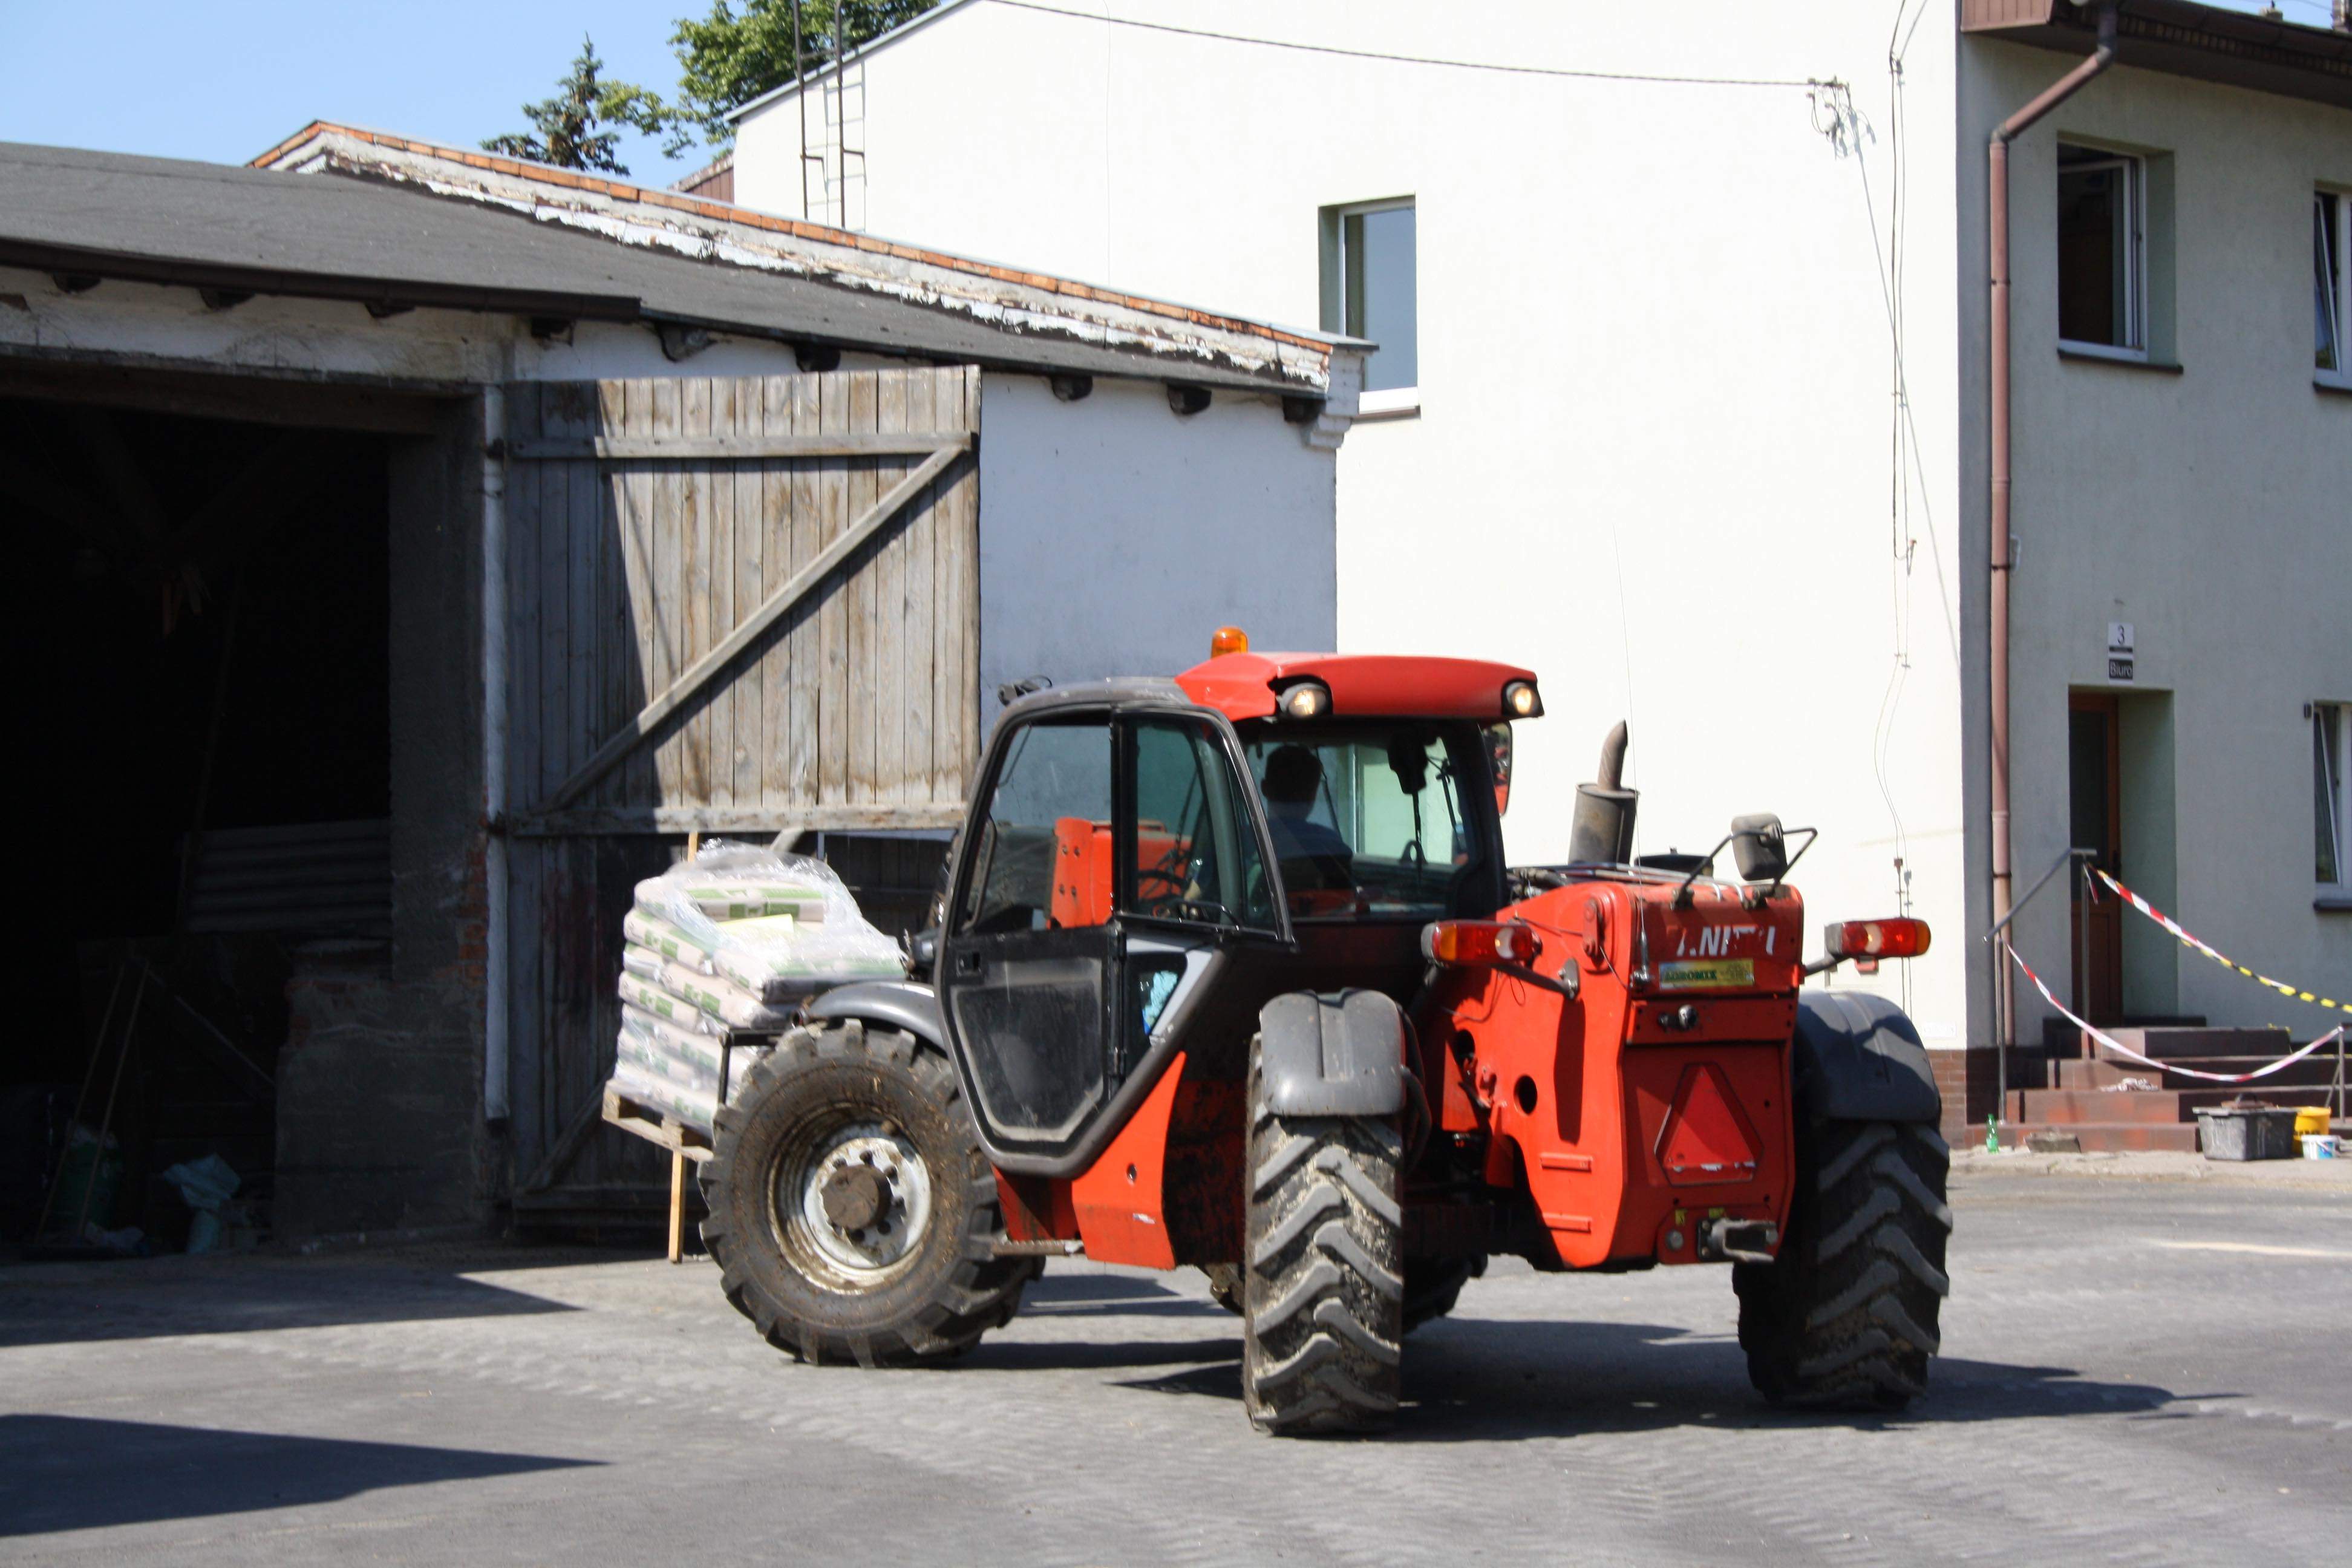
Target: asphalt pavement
x=2149, y=1371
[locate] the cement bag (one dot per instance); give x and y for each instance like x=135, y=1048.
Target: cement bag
x=649, y=995
x=698, y=1108
x=636, y=1051
x=778, y=926
x=657, y=935
x=695, y=1053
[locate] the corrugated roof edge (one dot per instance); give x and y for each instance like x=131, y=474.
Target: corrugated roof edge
x=694, y=226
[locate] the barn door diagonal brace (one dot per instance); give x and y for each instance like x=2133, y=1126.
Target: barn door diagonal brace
x=772, y=609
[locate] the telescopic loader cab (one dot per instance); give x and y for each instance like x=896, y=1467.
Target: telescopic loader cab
x=1231, y=972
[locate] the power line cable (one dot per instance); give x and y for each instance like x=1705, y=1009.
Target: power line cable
x=1657, y=77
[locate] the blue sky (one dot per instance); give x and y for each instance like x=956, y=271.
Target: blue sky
x=223, y=80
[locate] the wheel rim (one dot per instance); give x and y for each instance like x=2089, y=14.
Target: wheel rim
x=850, y=1201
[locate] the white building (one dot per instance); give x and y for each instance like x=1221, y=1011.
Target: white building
x=1682, y=400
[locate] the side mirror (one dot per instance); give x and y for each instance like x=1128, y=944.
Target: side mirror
x=1759, y=848
x=1498, y=757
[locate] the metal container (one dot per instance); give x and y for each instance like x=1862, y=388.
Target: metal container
x=2249, y=1132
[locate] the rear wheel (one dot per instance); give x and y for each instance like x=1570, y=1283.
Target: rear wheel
x=853, y=1216
x=1845, y=1317
x=1323, y=1284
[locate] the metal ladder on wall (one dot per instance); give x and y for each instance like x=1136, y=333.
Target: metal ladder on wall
x=832, y=165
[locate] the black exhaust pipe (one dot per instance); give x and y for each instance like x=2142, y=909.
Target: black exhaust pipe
x=1602, y=832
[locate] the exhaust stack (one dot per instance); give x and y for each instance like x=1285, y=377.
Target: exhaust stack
x=1602, y=832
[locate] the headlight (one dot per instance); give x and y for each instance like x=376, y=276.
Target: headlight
x=1307, y=700
x=1520, y=702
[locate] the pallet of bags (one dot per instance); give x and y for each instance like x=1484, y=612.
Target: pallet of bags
x=729, y=943
x=779, y=926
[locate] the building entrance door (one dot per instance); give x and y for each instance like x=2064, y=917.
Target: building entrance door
x=2095, y=817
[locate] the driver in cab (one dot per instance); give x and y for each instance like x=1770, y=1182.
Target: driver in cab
x=1313, y=855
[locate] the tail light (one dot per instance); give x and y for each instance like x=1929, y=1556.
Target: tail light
x=1875, y=939
x=1486, y=942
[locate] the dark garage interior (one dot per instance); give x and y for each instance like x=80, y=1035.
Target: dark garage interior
x=202, y=605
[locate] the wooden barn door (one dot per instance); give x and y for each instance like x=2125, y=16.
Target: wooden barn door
x=740, y=605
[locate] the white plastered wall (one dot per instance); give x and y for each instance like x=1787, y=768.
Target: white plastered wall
x=1117, y=535
x=1654, y=456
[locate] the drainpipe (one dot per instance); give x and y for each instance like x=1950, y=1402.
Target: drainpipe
x=1997, y=368
x=495, y=1059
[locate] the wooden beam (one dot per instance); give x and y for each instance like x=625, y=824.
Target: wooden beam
x=625, y=821
x=118, y=470
x=102, y=526
x=728, y=449
x=223, y=394
x=794, y=589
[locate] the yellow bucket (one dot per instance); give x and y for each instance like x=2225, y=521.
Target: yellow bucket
x=2311, y=1121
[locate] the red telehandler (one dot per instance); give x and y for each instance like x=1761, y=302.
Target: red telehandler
x=1229, y=973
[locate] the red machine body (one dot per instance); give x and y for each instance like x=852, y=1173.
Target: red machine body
x=1656, y=1099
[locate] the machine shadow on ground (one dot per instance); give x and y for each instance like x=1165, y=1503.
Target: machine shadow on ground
x=1112, y=1295
x=1471, y=1380
x=74, y=1303
x=66, y=1472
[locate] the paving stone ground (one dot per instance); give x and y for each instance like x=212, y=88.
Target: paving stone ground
x=2135, y=1371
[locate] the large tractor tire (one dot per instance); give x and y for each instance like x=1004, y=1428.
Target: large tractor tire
x=853, y=1216
x=1431, y=1289
x=1324, y=1272
x=1845, y=1317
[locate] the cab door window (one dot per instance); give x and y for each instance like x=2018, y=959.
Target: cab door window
x=1028, y=972
x=1194, y=853
x=1043, y=861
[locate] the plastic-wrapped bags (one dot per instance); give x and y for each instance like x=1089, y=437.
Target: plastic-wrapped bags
x=780, y=927
x=730, y=941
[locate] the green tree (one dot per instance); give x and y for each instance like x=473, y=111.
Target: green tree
x=569, y=124
x=741, y=50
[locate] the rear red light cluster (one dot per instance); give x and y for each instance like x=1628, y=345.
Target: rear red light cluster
x=1486, y=942
x=1875, y=939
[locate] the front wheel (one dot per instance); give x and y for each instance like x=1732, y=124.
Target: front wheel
x=1846, y=1315
x=853, y=1216
x=1324, y=1271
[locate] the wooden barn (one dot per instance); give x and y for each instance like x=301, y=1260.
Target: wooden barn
x=423, y=544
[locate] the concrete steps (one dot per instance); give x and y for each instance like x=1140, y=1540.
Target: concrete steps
x=2082, y=1094
x=2317, y=1070
x=2108, y=1137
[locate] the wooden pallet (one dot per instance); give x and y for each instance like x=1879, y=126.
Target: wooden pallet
x=655, y=1125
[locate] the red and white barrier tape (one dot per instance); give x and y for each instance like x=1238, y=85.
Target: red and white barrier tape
x=2123, y=1050
x=2175, y=927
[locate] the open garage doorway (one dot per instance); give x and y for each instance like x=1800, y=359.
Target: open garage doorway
x=200, y=612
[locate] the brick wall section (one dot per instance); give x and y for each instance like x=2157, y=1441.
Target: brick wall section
x=1969, y=1083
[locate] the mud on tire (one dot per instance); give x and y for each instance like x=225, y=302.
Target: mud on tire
x=826, y=1098
x=1845, y=1318
x=1324, y=1272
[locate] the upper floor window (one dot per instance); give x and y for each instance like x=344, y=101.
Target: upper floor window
x=2102, y=249
x=2331, y=286
x=2331, y=739
x=1369, y=292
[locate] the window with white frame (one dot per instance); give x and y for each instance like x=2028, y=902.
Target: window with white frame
x=2102, y=250
x=1369, y=290
x=2331, y=804
x=2331, y=285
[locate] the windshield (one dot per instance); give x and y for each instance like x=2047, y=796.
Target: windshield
x=1371, y=817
